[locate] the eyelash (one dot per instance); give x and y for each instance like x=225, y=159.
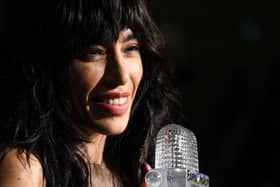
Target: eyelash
x=103, y=52
x=97, y=53
x=132, y=48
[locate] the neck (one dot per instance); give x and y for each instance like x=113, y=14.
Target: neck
x=95, y=146
x=95, y=149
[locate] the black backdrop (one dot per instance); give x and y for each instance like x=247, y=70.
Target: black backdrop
x=226, y=56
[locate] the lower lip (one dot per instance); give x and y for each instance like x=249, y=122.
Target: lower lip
x=115, y=109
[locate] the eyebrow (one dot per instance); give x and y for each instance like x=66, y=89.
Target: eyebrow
x=128, y=37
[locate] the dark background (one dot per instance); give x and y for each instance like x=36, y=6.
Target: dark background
x=226, y=55
x=227, y=58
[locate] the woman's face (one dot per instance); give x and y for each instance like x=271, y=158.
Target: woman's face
x=104, y=83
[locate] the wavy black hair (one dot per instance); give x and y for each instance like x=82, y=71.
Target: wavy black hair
x=48, y=34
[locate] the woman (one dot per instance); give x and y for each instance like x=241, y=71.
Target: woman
x=97, y=91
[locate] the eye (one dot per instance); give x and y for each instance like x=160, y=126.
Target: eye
x=132, y=49
x=95, y=54
x=96, y=51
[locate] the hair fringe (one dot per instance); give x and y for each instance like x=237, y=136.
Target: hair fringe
x=42, y=124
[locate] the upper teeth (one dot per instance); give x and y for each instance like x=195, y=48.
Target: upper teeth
x=116, y=101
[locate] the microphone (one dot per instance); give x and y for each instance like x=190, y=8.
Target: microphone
x=176, y=159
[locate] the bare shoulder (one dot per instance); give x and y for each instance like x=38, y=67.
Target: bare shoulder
x=15, y=171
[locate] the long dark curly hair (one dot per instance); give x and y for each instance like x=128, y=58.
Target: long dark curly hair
x=48, y=34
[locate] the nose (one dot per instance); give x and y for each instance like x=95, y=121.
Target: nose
x=116, y=72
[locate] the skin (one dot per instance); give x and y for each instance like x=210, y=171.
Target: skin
x=106, y=69
x=105, y=72
x=15, y=171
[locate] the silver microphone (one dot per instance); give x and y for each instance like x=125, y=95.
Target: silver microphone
x=176, y=159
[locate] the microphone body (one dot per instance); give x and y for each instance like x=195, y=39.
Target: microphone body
x=176, y=160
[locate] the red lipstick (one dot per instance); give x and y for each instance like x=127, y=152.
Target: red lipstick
x=115, y=103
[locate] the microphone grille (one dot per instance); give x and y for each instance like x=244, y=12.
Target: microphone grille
x=176, y=147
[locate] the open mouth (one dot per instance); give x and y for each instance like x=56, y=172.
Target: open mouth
x=116, y=103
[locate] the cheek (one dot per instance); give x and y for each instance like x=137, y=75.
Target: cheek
x=137, y=72
x=83, y=78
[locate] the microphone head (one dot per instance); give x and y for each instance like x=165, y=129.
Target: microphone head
x=176, y=147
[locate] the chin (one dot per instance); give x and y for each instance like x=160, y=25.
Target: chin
x=111, y=127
